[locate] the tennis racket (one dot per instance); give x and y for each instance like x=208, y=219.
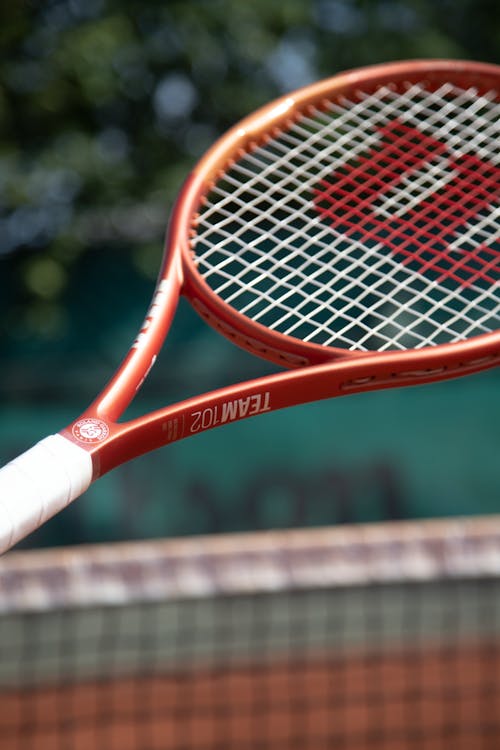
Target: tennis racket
x=348, y=231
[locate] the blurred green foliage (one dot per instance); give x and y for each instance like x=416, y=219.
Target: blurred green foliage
x=105, y=104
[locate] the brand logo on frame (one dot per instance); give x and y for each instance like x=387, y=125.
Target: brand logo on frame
x=90, y=430
x=153, y=312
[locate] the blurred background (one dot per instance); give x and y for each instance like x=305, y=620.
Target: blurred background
x=104, y=107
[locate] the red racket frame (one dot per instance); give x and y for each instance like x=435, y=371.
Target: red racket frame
x=315, y=372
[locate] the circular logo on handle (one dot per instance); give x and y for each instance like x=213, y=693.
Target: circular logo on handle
x=90, y=430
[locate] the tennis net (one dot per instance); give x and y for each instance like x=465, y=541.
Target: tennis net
x=371, y=637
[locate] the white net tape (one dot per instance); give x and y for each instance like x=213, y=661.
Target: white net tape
x=370, y=225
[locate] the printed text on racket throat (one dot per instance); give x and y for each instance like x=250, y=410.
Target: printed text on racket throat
x=230, y=411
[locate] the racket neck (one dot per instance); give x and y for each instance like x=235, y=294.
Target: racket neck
x=121, y=389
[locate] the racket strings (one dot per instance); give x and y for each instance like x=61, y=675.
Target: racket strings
x=369, y=224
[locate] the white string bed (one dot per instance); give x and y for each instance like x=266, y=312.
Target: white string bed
x=267, y=245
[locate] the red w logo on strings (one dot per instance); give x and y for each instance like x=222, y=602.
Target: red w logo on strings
x=428, y=206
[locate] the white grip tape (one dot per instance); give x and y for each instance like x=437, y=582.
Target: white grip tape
x=38, y=484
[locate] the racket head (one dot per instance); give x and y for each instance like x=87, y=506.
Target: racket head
x=373, y=198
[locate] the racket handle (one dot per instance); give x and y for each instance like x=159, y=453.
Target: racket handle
x=38, y=484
